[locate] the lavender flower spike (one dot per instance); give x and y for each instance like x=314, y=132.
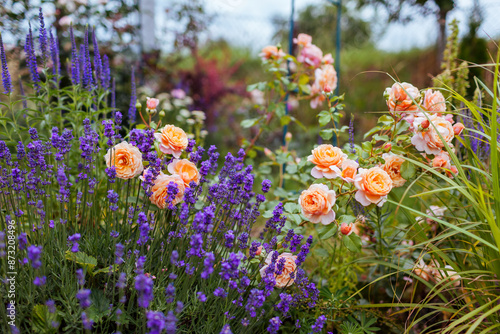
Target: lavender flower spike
x=133, y=98
x=97, y=60
x=7, y=83
x=43, y=38
x=75, y=62
x=54, y=54
x=31, y=59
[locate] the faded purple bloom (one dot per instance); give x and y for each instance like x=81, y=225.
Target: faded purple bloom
x=156, y=322
x=201, y=296
x=87, y=322
x=83, y=297
x=122, y=281
x=170, y=293
x=51, y=305
x=220, y=292
x=171, y=321
x=43, y=38
x=34, y=254
x=133, y=99
x=144, y=287
x=80, y=276
x=208, y=264
x=75, y=61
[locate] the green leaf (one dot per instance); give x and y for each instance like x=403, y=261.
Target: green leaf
x=346, y=219
x=367, y=146
x=291, y=169
x=328, y=232
x=42, y=319
x=408, y=170
x=285, y=120
x=352, y=242
x=321, y=252
x=99, y=307
x=82, y=259
x=248, y=123
x=324, y=118
x=291, y=207
x=326, y=134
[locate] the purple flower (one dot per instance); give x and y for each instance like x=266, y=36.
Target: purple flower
x=318, y=325
x=220, y=292
x=156, y=322
x=73, y=240
x=23, y=240
x=51, y=305
x=39, y=281
x=83, y=297
x=229, y=267
x=122, y=281
x=284, y=303
x=170, y=293
x=201, y=296
x=80, y=276
x=113, y=198
x=75, y=61
x=34, y=254
x=133, y=99
x=43, y=38
x=179, y=307
x=171, y=321
x=255, y=301
x=119, y=250
x=266, y=185
x=87, y=322
x=226, y=329
x=29, y=49
x=97, y=59
x=304, y=250
x=7, y=83
x=144, y=287
x=274, y=325
x=229, y=236
x=208, y=264
x=54, y=53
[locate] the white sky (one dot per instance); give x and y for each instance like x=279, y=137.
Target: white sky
x=248, y=22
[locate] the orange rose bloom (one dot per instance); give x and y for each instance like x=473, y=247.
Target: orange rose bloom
x=127, y=160
x=326, y=76
x=400, y=97
x=349, y=170
x=393, y=167
x=173, y=140
x=328, y=160
x=373, y=186
x=316, y=203
x=186, y=170
x=428, y=139
x=271, y=52
x=434, y=101
x=284, y=278
x=160, y=190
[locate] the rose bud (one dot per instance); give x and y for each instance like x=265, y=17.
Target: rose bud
x=288, y=136
x=162, y=113
x=259, y=250
x=454, y=170
x=327, y=89
x=151, y=103
x=138, y=105
x=425, y=124
x=346, y=229
x=387, y=147
x=458, y=128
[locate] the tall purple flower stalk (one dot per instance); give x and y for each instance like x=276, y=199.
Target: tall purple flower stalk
x=97, y=60
x=75, y=62
x=7, y=83
x=43, y=38
x=87, y=64
x=133, y=98
x=29, y=49
x=54, y=54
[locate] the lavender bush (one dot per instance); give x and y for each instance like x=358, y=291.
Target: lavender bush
x=130, y=230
